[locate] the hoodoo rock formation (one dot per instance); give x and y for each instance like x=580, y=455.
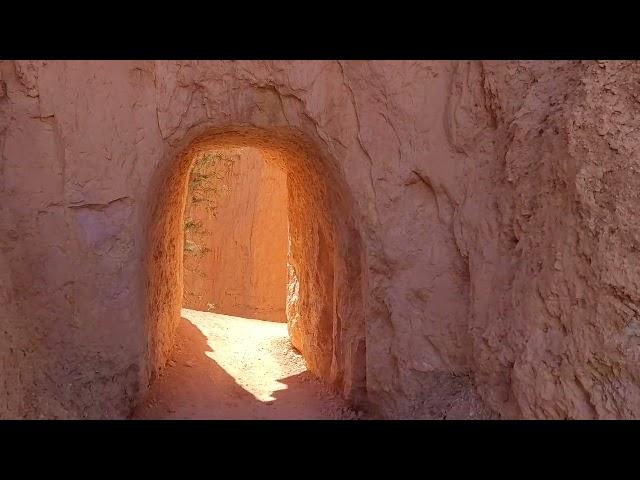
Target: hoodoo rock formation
x=463, y=236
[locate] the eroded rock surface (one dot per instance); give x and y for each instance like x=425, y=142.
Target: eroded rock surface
x=464, y=235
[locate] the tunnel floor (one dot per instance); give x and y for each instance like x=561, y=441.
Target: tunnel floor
x=225, y=367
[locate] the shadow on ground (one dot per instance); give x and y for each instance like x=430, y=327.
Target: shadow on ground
x=195, y=386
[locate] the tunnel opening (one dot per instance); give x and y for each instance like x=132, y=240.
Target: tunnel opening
x=236, y=236
x=321, y=298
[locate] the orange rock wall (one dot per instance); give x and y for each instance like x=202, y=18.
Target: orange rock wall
x=236, y=256
x=464, y=235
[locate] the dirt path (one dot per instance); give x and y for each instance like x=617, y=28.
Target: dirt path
x=236, y=368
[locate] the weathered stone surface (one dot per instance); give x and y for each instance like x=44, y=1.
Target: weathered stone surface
x=464, y=235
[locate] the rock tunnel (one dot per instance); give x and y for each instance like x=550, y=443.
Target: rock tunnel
x=463, y=233
x=326, y=321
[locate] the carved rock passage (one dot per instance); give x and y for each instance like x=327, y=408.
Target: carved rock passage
x=236, y=256
x=464, y=235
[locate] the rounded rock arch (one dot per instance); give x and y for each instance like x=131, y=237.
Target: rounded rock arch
x=326, y=315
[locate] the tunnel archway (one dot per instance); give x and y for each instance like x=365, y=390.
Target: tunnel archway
x=325, y=310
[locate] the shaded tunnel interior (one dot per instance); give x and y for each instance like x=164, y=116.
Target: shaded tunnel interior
x=324, y=304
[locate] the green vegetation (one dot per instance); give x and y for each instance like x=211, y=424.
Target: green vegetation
x=193, y=226
x=206, y=182
x=206, y=185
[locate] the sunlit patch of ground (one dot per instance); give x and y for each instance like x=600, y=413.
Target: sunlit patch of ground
x=227, y=367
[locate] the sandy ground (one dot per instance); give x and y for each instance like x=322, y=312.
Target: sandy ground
x=227, y=367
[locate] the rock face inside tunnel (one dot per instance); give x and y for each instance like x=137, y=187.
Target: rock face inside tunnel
x=236, y=237
x=463, y=235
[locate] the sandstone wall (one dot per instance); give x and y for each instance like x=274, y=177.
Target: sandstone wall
x=469, y=249
x=236, y=254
